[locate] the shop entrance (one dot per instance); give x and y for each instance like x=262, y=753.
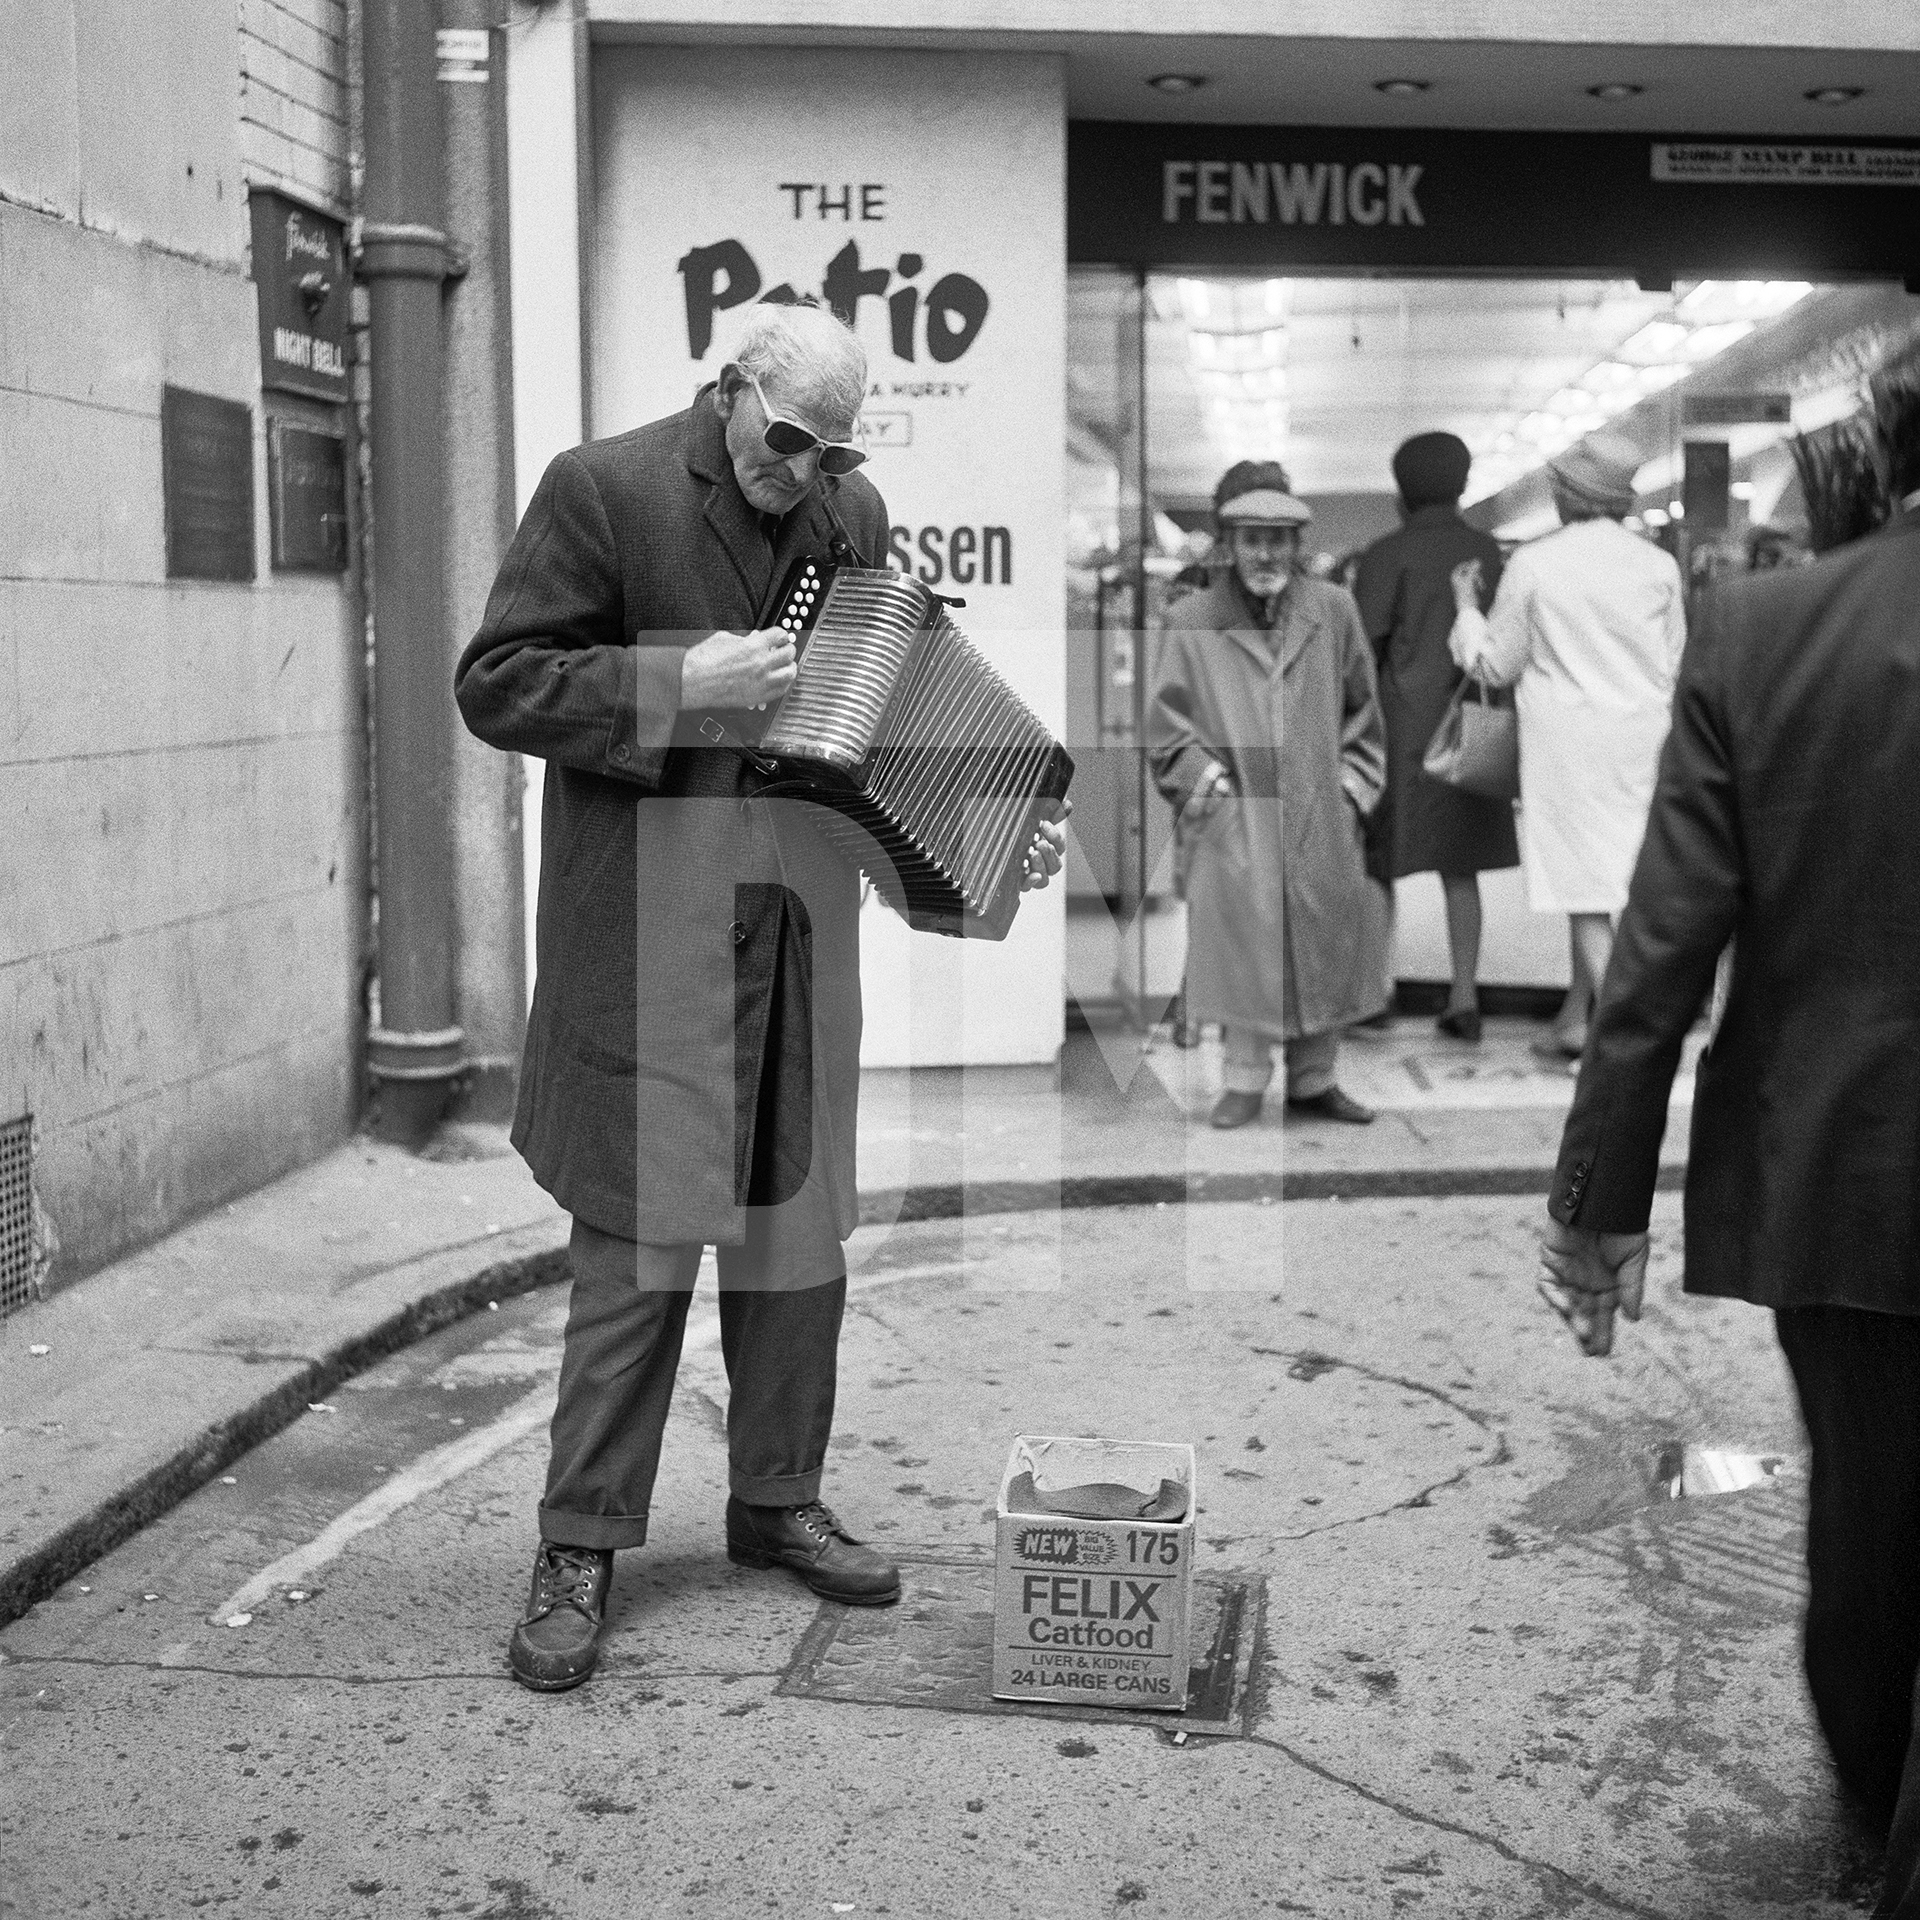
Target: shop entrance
x=1175, y=376
x=1316, y=295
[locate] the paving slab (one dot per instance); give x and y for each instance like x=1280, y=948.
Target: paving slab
x=1496, y=1672
x=127, y=1389
x=1124, y=1108
x=162, y=1369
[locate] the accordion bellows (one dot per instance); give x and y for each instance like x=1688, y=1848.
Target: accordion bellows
x=935, y=771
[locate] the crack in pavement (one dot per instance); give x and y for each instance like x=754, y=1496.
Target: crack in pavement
x=1328, y=1362
x=914, y=1350
x=712, y=1412
x=247, y=1356
x=1542, y=1869
x=501, y=1672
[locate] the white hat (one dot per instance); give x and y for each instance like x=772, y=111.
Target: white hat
x=1264, y=507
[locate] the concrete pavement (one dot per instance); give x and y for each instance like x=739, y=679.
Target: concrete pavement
x=1486, y=1671
x=161, y=1370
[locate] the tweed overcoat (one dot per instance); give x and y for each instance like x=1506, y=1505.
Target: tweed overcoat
x=1787, y=817
x=1286, y=934
x=663, y=876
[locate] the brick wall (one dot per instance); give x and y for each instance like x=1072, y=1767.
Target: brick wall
x=293, y=98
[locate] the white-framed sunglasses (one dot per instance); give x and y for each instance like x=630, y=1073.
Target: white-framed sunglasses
x=789, y=439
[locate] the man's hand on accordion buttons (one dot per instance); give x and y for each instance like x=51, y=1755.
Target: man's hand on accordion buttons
x=1048, y=853
x=737, y=669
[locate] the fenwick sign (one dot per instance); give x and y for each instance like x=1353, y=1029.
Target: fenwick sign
x=1378, y=199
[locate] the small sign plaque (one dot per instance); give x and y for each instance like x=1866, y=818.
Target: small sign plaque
x=1736, y=409
x=300, y=274
x=307, y=483
x=1812, y=164
x=206, y=466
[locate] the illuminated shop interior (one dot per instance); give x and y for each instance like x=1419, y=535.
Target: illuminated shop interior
x=1173, y=377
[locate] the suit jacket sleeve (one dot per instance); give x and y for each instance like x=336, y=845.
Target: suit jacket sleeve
x=552, y=672
x=1681, y=910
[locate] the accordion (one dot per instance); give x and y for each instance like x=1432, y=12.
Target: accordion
x=934, y=771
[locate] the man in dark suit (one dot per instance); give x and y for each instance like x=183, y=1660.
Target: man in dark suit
x=691, y=1070
x=1787, y=819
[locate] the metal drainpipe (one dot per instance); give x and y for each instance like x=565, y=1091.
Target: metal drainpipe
x=416, y=1053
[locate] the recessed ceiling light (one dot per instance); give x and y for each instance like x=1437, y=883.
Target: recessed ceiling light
x=1834, y=96
x=1616, y=90
x=1402, y=89
x=1177, y=82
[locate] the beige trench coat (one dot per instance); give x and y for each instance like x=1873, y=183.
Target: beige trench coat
x=1286, y=934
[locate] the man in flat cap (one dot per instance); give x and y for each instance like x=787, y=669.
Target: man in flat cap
x=1286, y=932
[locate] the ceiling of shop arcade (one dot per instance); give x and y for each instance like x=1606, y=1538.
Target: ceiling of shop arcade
x=1330, y=375
x=1692, y=66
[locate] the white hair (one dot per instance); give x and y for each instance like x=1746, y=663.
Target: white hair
x=811, y=353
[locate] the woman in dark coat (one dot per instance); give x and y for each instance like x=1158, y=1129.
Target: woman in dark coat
x=1406, y=602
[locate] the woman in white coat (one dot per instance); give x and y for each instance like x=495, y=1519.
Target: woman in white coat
x=1587, y=626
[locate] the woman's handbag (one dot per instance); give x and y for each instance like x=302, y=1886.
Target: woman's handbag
x=1476, y=746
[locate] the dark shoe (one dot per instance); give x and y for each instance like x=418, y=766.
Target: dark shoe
x=1381, y=1022
x=1180, y=1030
x=1236, y=1109
x=557, y=1642
x=1335, y=1105
x=1555, y=1045
x=816, y=1546
x=1461, y=1023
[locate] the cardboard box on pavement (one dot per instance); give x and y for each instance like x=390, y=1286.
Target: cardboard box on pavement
x=1093, y=1573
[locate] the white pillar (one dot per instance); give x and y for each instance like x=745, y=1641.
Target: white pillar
x=546, y=99
x=939, y=179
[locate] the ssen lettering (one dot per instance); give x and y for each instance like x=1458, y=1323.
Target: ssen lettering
x=966, y=555
x=1290, y=193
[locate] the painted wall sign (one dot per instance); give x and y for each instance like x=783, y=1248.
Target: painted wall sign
x=921, y=196
x=206, y=465
x=1747, y=162
x=307, y=490
x=1164, y=194
x=300, y=274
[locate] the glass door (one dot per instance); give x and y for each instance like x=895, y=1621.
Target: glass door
x=1173, y=377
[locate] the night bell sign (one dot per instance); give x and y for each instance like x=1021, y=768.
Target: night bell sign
x=300, y=274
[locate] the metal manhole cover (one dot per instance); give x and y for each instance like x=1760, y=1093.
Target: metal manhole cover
x=935, y=1649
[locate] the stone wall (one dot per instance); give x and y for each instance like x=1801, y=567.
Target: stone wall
x=181, y=762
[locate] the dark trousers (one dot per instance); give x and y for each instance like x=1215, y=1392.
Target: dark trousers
x=625, y=1323
x=1858, y=1376
x=782, y=1291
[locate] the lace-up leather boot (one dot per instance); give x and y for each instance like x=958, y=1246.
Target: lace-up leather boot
x=558, y=1639
x=810, y=1541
